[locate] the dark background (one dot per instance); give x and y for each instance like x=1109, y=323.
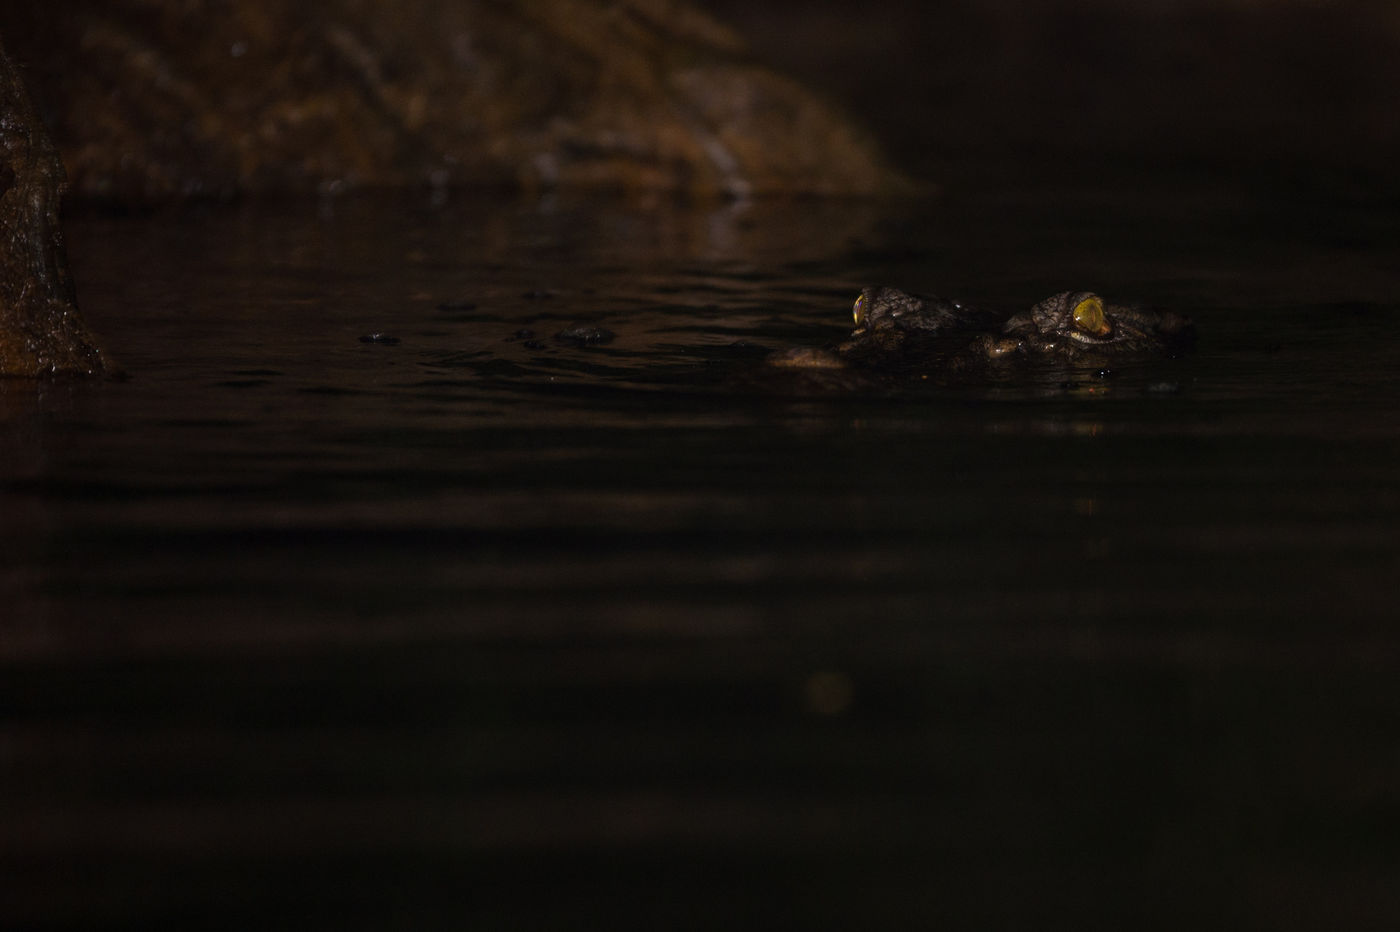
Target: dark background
x=1273, y=91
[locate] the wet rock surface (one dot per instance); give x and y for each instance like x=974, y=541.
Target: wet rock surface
x=152, y=100
x=41, y=333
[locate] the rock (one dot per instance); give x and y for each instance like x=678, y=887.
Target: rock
x=41, y=333
x=153, y=100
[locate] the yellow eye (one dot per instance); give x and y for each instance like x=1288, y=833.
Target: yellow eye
x=858, y=312
x=1088, y=316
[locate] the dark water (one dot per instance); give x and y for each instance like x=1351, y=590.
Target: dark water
x=482, y=629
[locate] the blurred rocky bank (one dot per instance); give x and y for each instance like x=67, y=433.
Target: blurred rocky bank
x=159, y=99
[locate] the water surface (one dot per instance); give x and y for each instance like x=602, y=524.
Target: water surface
x=472, y=625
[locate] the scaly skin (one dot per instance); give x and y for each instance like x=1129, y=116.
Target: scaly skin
x=898, y=331
x=894, y=329
x=1080, y=326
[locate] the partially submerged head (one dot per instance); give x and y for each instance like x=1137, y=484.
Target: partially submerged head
x=882, y=306
x=1079, y=321
x=1078, y=315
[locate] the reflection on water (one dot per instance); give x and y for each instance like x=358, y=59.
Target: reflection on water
x=484, y=626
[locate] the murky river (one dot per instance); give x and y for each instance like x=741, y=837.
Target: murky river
x=470, y=626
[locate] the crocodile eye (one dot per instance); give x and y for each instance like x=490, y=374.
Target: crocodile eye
x=858, y=312
x=1089, y=317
